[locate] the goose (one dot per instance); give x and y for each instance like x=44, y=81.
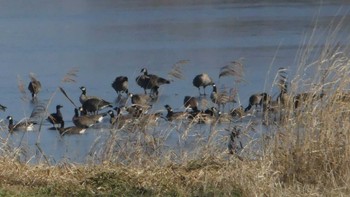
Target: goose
x=238, y=112
x=283, y=98
x=191, y=102
x=56, y=118
x=34, y=87
x=140, y=99
x=83, y=97
x=118, y=120
x=150, y=81
x=93, y=105
x=113, y=118
x=146, y=120
x=234, y=146
x=306, y=97
x=70, y=130
x=211, y=111
x=171, y=115
x=262, y=99
x=224, y=117
x=202, y=80
x=120, y=84
x=144, y=82
x=220, y=98
x=135, y=110
x=205, y=117
x=95, y=117
x=25, y=125
x=86, y=121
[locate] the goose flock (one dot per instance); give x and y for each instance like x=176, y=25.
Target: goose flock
x=91, y=112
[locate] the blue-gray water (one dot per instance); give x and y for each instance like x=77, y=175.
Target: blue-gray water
x=105, y=39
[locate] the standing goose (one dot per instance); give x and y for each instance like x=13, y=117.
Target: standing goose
x=214, y=95
x=220, y=98
x=202, y=80
x=234, y=146
x=34, y=87
x=120, y=84
x=83, y=97
x=56, y=118
x=86, y=121
x=70, y=130
x=25, y=125
x=262, y=99
x=283, y=99
x=150, y=81
x=93, y=105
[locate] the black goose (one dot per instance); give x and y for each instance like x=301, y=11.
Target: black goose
x=150, y=81
x=86, y=121
x=262, y=99
x=191, y=102
x=25, y=125
x=70, y=130
x=171, y=115
x=202, y=80
x=56, y=118
x=120, y=84
x=93, y=105
x=34, y=87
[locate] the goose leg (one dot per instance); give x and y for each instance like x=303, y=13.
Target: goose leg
x=199, y=90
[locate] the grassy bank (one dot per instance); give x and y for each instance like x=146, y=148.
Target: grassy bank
x=302, y=174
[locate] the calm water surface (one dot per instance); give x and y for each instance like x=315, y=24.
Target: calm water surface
x=105, y=39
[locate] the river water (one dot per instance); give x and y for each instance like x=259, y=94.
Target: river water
x=105, y=39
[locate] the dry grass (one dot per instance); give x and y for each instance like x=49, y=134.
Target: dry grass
x=305, y=152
